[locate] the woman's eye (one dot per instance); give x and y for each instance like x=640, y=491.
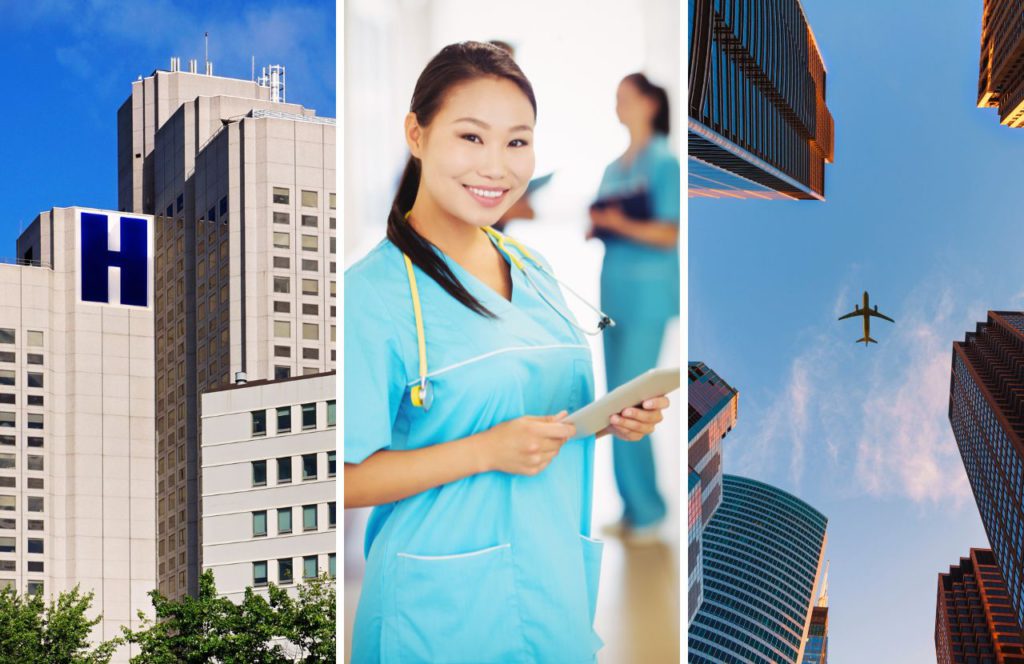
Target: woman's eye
x=472, y=138
x=518, y=143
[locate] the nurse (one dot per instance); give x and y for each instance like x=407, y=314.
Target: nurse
x=461, y=361
x=639, y=279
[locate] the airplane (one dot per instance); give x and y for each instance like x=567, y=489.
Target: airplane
x=867, y=312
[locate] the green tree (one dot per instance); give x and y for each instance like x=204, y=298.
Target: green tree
x=208, y=628
x=34, y=631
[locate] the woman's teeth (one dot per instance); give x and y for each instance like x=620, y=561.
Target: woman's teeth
x=486, y=193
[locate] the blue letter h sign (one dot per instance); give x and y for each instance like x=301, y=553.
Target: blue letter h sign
x=132, y=259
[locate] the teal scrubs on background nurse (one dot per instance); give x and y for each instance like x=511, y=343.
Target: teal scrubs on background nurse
x=460, y=364
x=639, y=278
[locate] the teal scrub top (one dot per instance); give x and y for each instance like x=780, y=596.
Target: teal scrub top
x=494, y=567
x=640, y=281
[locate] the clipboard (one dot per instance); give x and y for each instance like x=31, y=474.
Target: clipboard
x=594, y=416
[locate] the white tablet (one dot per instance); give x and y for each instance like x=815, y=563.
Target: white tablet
x=593, y=417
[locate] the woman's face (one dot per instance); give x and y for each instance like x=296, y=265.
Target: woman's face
x=477, y=153
x=632, y=107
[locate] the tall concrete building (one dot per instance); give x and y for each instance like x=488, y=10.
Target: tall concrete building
x=77, y=488
x=269, y=499
x=758, y=123
x=974, y=619
x=986, y=412
x=245, y=262
x=713, y=408
x=1001, y=67
x=763, y=556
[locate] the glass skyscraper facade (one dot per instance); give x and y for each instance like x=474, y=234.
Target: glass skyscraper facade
x=762, y=558
x=713, y=408
x=816, y=651
x=986, y=412
x=758, y=124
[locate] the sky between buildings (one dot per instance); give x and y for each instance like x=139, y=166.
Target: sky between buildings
x=924, y=211
x=66, y=67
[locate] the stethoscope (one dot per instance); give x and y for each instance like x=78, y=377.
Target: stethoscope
x=422, y=396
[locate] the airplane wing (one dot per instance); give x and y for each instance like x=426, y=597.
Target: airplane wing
x=855, y=312
x=872, y=312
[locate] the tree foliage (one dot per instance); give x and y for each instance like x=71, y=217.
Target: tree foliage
x=274, y=629
x=34, y=631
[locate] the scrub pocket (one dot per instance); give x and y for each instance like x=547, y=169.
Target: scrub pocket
x=458, y=609
x=592, y=550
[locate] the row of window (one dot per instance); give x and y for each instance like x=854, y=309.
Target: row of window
x=32, y=378
x=30, y=358
x=286, y=570
x=34, y=337
x=12, y=566
x=8, y=523
x=280, y=372
x=10, y=545
x=283, y=196
x=310, y=468
x=308, y=308
x=9, y=419
x=307, y=265
x=284, y=285
x=284, y=417
x=32, y=462
x=32, y=587
x=10, y=503
x=31, y=441
x=306, y=220
x=30, y=399
x=310, y=331
x=283, y=240
x=310, y=522
x=12, y=482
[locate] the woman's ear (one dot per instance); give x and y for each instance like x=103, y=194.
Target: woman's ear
x=413, y=134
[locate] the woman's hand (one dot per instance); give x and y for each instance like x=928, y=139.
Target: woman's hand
x=525, y=445
x=609, y=218
x=635, y=422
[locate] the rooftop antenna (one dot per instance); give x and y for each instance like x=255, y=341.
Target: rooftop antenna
x=206, y=47
x=823, y=597
x=273, y=78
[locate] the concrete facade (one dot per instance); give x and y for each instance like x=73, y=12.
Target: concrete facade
x=77, y=430
x=269, y=465
x=245, y=252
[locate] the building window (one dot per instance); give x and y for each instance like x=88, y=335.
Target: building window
x=282, y=262
x=332, y=564
x=224, y=205
x=7, y=503
x=282, y=307
x=259, y=524
x=36, y=566
x=35, y=421
x=35, y=503
x=34, y=358
x=282, y=329
x=8, y=356
x=8, y=566
x=282, y=240
x=331, y=412
x=284, y=470
x=180, y=203
x=311, y=331
x=6, y=335
x=34, y=462
x=282, y=195
x=282, y=218
x=8, y=482
x=309, y=416
x=211, y=215
x=310, y=243
x=309, y=517
x=310, y=309
x=34, y=482
x=310, y=265
x=35, y=441
x=282, y=285
x=310, y=221
x=309, y=287
x=311, y=353
x=7, y=439
x=259, y=473
x=331, y=200
x=6, y=377
x=309, y=567
x=35, y=524
x=259, y=573
x=282, y=351
x=332, y=514
x=284, y=419
x=285, y=573
x=34, y=587
x=35, y=545
x=309, y=199
x=35, y=400
x=332, y=464
x=8, y=545
x=308, y=467
x=284, y=520
x=7, y=461
x=35, y=379
x=259, y=423
x=35, y=339
x=280, y=373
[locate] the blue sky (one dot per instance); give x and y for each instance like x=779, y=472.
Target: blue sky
x=68, y=66
x=924, y=212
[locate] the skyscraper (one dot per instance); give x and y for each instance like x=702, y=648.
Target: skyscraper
x=986, y=411
x=763, y=554
x=245, y=262
x=974, y=619
x=713, y=408
x=758, y=123
x=816, y=651
x=1001, y=67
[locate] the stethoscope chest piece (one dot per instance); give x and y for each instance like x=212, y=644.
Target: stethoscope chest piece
x=422, y=395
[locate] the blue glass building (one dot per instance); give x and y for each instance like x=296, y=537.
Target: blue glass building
x=762, y=557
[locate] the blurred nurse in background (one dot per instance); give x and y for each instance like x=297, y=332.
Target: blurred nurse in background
x=637, y=217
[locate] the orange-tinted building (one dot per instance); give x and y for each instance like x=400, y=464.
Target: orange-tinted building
x=974, y=620
x=1001, y=68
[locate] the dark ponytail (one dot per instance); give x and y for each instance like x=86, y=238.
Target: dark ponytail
x=660, y=121
x=455, y=64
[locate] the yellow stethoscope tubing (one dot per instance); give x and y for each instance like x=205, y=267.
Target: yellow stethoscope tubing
x=419, y=392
